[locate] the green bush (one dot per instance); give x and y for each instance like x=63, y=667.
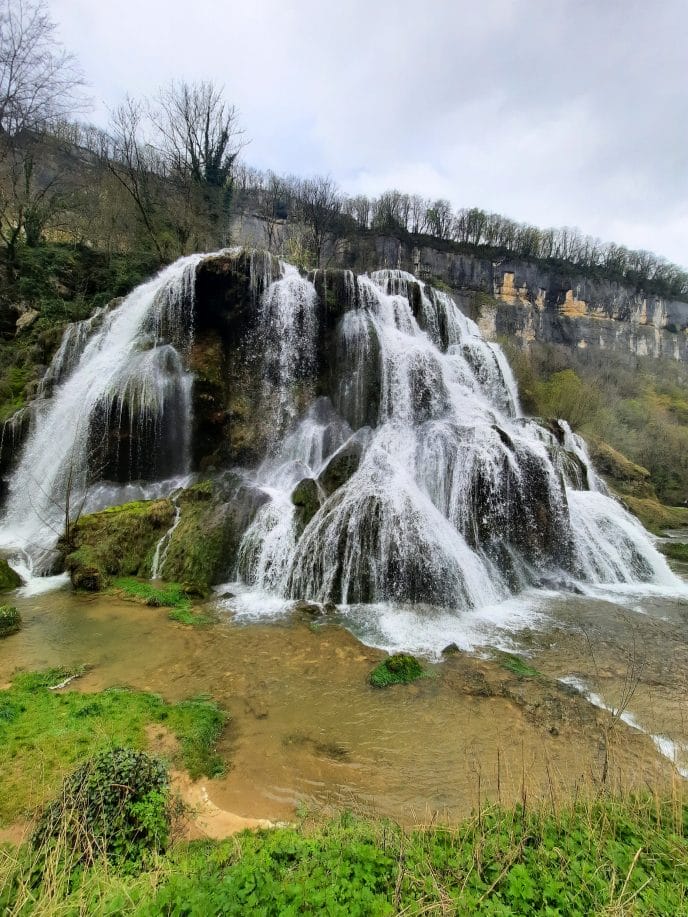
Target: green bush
x=115, y=806
x=396, y=670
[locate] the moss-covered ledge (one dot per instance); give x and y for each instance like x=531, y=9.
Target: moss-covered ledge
x=119, y=541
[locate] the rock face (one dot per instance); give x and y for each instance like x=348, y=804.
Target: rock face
x=525, y=301
x=119, y=541
x=213, y=517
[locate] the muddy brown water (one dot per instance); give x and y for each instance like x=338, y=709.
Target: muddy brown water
x=307, y=729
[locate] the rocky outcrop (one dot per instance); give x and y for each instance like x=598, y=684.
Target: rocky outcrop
x=214, y=515
x=9, y=578
x=119, y=541
x=528, y=302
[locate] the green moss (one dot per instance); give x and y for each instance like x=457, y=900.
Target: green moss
x=10, y=620
x=674, y=549
x=654, y=515
x=170, y=595
x=201, y=544
x=9, y=578
x=517, y=666
x=399, y=669
x=119, y=541
x=44, y=733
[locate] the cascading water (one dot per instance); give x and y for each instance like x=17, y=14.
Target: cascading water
x=397, y=466
x=119, y=410
x=456, y=499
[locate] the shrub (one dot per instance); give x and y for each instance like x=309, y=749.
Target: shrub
x=116, y=805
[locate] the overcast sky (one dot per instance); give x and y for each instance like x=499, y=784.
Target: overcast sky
x=557, y=112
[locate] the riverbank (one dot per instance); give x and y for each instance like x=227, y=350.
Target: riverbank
x=608, y=856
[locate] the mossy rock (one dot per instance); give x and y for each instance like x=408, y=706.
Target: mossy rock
x=624, y=475
x=676, y=550
x=10, y=620
x=516, y=665
x=9, y=578
x=214, y=516
x=654, y=515
x=400, y=669
x=119, y=541
x=306, y=499
x=86, y=576
x=342, y=466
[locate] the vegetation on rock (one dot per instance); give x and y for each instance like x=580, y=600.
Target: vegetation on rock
x=10, y=620
x=516, y=665
x=9, y=578
x=675, y=549
x=119, y=541
x=399, y=669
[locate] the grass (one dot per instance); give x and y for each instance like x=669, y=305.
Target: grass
x=44, y=733
x=400, y=669
x=171, y=595
x=654, y=515
x=612, y=857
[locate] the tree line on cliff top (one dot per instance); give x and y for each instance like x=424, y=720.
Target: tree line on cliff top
x=164, y=174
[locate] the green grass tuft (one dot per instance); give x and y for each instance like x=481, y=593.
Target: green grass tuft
x=396, y=670
x=171, y=595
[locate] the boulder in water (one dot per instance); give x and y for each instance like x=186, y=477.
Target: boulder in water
x=308, y=610
x=84, y=576
x=9, y=578
x=10, y=620
x=119, y=541
x=342, y=466
x=306, y=498
x=451, y=650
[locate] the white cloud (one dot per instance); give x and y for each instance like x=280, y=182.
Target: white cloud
x=561, y=113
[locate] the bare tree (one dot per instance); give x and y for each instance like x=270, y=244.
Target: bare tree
x=39, y=80
x=272, y=207
x=133, y=165
x=200, y=139
x=319, y=203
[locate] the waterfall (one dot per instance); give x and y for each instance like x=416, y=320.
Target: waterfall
x=456, y=499
x=120, y=409
x=163, y=545
x=396, y=463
